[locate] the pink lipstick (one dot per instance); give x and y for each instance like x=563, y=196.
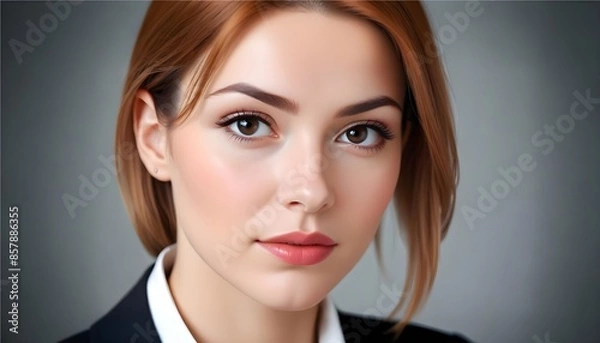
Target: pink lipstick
x=298, y=248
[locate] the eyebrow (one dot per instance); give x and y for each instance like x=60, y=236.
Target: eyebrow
x=291, y=106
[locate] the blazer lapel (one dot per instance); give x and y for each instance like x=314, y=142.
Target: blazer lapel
x=130, y=320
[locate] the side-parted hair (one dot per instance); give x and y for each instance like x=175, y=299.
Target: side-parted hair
x=178, y=37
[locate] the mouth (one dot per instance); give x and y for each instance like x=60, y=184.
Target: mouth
x=298, y=248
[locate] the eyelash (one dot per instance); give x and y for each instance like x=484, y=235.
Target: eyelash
x=381, y=130
x=237, y=115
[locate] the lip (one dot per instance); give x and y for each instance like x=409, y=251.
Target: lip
x=298, y=248
x=299, y=238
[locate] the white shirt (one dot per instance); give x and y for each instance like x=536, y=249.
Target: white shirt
x=170, y=325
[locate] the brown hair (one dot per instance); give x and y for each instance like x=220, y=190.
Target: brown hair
x=176, y=35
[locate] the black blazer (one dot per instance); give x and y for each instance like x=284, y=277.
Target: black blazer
x=130, y=321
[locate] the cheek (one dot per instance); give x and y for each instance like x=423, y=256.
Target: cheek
x=365, y=193
x=364, y=188
x=214, y=190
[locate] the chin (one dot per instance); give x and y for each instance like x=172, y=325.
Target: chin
x=290, y=292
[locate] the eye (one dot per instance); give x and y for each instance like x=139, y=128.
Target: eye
x=250, y=126
x=366, y=135
x=247, y=125
x=359, y=135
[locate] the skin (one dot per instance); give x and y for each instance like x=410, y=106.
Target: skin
x=302, y=174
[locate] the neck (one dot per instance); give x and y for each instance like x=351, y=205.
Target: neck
x=215, y=311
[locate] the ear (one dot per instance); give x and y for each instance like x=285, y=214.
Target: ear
x=150, y=136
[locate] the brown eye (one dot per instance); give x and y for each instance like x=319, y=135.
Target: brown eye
x=357, y=134
x=248, y=126
x=365, y=135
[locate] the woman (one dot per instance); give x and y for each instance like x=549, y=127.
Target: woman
x=271, y=136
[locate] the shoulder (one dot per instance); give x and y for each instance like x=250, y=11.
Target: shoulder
x=357, y=328
x=128, y=321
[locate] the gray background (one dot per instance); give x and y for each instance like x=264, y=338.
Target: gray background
x=527, y=272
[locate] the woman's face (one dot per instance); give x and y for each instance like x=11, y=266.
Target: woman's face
x=300, y=133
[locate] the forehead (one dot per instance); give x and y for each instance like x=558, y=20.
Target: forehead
x=310, y=56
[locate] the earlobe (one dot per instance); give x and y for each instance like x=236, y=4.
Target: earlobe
x=150, y=136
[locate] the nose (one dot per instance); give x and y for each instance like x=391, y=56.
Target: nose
x=305, y=187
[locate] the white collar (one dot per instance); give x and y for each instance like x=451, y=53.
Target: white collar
x=170, y=325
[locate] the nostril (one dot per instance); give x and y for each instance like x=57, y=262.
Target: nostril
x=296, y=206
